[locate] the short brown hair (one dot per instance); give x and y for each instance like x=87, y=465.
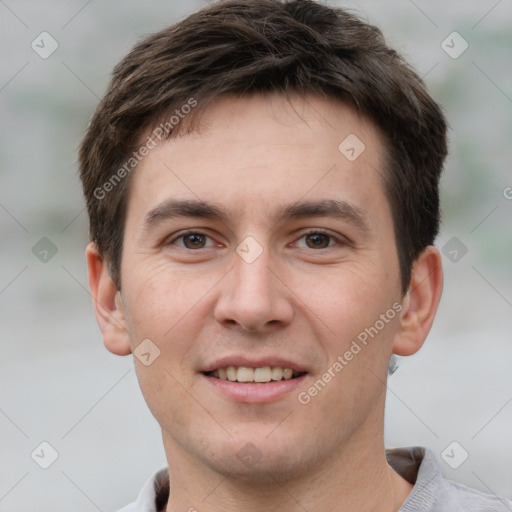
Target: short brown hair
x=237, y=47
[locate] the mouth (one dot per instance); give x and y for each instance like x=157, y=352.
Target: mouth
x=259, y=375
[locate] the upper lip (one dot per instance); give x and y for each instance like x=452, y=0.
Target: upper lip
x=253, y=362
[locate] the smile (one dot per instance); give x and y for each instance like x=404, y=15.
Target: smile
x=260, y=375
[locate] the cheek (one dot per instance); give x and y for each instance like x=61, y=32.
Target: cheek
x=349, y=298
x=168, y=393
x=349, y=305
x=168, y=309
x=162, y=302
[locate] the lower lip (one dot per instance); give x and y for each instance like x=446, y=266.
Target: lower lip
x=255, y=393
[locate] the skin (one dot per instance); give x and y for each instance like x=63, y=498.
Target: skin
x=252, y=155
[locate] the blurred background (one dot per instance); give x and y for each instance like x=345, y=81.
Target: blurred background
x=59, y=384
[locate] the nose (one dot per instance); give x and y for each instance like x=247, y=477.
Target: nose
x=254, y=297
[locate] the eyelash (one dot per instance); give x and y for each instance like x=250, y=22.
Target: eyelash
x=311, y=232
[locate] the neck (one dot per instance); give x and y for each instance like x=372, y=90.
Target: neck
x=358, y=479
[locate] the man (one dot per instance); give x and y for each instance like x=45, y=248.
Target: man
x=262, y=186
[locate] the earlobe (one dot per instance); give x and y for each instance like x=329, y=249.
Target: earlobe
x=420, y=303
x=107, y=304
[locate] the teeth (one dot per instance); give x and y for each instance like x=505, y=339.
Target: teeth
x=246, y=374
x=231, y=373
x=263, y=374
x=277, y=373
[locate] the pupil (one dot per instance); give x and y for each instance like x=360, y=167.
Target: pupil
x=194, y=240
x=318, y=240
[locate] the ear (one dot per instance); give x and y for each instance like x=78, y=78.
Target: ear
x=420, y=303
x=107, y=304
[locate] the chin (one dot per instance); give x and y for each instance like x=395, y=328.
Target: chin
x=266, y=470
x=254, y=459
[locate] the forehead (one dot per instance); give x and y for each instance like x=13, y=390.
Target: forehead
x=257, y=153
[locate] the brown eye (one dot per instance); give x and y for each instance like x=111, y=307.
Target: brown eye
x=317, y=240
x=194, y=241
x=191, y=240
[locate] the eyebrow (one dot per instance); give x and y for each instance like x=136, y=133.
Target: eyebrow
x=175, y=208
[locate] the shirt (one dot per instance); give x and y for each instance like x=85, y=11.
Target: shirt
x=431, y=491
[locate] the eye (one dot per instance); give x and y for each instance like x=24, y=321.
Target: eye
x=319, y=240
x=191, y=240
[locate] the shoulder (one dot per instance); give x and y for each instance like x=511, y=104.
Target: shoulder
x=434, y=493
x=153, y=495
x=471, y=500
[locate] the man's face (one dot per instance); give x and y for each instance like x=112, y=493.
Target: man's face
x=275, y=283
